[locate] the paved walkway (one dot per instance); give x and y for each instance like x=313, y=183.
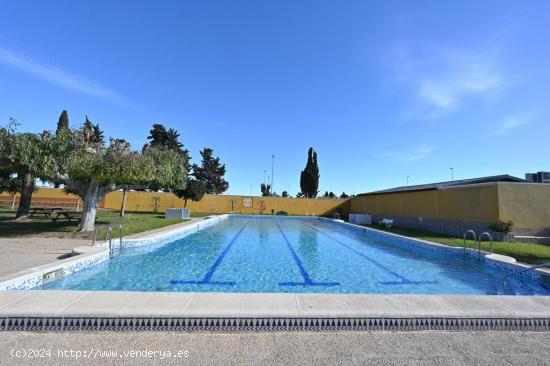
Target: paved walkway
x=18, y=254
x=282, y=348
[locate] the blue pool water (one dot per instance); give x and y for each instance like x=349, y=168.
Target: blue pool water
x=278, y=254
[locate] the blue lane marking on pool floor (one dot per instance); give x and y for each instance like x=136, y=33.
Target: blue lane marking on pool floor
x=402, y=280
x=303, y=272
x=208, y=276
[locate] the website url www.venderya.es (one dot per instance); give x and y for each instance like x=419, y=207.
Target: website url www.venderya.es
x=97, y=353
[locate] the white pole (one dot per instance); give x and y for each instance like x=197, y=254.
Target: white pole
x=272, y=164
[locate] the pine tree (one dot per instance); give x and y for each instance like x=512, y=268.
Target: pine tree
x=211, y=172
x=161, y=138
x=92, y=133
x=309, y=177
x=266, y=189
x=63, y=122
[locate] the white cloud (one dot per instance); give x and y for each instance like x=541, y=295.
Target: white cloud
x=57, y=76
x=440, y=80
x=415, y=154
x=508, y=126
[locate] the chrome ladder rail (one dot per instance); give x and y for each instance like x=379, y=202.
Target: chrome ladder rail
x=121, y=231
x=474, y=234
x=532, y=268
x=108, y=234
x=487, y=234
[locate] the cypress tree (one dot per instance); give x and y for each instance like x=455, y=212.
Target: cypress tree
x=63, y=122
x=309, y=177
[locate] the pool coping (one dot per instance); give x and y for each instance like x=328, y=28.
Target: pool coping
x=104, y=310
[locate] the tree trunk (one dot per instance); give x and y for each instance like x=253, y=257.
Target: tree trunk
x=123, y=206
x=13, y=201
x=89, y=207
x=185, y=202
x=26, y=196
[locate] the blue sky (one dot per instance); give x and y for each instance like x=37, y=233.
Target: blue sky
x=382, y=90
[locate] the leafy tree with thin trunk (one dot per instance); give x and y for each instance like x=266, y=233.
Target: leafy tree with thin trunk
x=90, y=169
x=26, y=156
x=211, y=172
x=284, y=194
x=344, y=195
x=194, y=191
x=309, y=177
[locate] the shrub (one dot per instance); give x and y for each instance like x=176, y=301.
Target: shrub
x=282, y=213
x=502, y=227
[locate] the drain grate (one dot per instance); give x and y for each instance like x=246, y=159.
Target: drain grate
x=271, y=324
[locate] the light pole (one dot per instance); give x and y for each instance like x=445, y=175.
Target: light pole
x=272, y=165
x=452, y=174
x=407, y=180
x=265, y=171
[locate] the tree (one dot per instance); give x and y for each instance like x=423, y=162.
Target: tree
x=284, y=194
x=309, y=177
x=63, y=122
x=24, y=155
x=92, y=169
x=161, y=139
x=194, y=191
x=92, y=133
x=344, y=196
x=299, y=195
x=266, y=189
x=326, y=195
x=211, y=172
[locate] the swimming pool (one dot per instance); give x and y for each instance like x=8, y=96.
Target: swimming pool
x=286, y=254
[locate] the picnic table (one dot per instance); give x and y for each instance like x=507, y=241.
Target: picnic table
x=46, y=211
x=65, y=216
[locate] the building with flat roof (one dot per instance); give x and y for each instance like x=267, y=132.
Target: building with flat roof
x=452, y=207
x=539, y=177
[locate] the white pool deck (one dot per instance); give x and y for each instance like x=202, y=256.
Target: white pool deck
x=17, y=307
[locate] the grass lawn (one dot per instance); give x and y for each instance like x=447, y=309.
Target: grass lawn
x=523, y=252
x=132, y=222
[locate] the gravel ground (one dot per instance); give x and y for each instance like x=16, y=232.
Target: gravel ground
x=277, y=348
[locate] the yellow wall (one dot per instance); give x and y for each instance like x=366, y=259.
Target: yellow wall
x=471, y=203
x=149, y=201
x=526, y=204
x=46, y=193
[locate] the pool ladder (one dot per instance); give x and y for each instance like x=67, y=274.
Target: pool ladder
x=474, y=235
x=109, y=235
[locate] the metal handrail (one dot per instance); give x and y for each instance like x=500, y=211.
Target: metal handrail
x=466, y=235
x=547, y=264
x=487, y=234
x=109, y=234
x=121, y=231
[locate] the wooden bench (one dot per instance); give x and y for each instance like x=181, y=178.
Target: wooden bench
x=387, y=222
x=65, y=216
